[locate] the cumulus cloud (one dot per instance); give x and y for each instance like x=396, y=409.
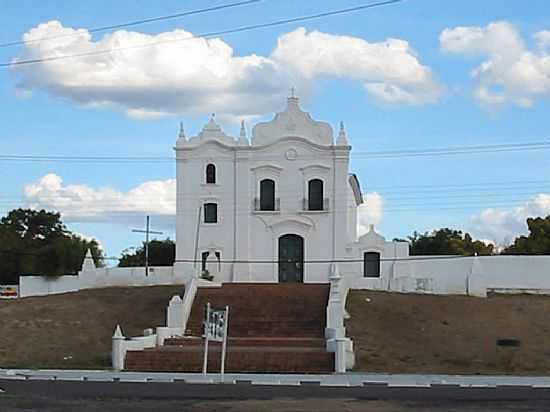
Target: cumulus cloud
x=503, y=226
x=389, y=70
x=78, y=202
x=370, y=212
x=181, y=73
x=84, y=203
x=542, y=38
x=510, y=72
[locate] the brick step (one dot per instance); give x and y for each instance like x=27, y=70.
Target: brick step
x=252, y=342
x=268, y=329
x=266, y=310
x=238, y=359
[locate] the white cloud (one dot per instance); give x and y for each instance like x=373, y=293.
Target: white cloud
x=510, y=73
x=83, y=203
x=204, y=75
x=389, y=70
x=156, y=197
x=370, y=212
x=503, y=226
x=542, y=38
x=89, y=238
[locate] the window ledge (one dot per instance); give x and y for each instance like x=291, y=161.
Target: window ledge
x=210, y=185
x=313, y=212
x=266, y=212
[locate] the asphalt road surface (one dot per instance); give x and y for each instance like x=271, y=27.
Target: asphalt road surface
x=60, y=396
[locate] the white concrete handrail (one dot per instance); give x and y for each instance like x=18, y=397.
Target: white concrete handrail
x=120, y=345
x=335, y=307
x=335, y=332
x=187, y=302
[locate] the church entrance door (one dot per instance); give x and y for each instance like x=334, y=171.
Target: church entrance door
x=291, y=258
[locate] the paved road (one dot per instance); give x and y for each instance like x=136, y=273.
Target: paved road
x=21, y=395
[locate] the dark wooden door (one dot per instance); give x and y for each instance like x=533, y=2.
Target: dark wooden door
x=291, y=258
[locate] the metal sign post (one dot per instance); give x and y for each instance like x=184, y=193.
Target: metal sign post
x=224, y=344
x=206, y=337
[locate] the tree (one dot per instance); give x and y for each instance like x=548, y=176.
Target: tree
x=447, y=242
x=161, y=253
x=536, y=243
x=37, y=242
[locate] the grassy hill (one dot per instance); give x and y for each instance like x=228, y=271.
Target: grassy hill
x=455, y=334
x=74, y=330
x=392, y=332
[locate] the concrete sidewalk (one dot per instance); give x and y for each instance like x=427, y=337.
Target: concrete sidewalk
x=341, y=380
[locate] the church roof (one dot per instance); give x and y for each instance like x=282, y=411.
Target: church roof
x=213, y=131
x=292, y=122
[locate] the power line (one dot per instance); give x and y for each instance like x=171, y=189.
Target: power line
x=385, y=154
x=390, y=197
x=133, y=23
x=325, y=261
x=271, y=261
x=207, y=34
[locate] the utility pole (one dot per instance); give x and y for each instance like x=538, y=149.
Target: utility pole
x=147, y=231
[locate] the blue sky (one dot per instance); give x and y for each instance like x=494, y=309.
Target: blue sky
x=44, y=117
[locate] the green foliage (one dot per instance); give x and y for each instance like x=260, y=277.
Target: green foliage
x=37, y=242
x=447, y=242
x=161, y=253
x=536, y=243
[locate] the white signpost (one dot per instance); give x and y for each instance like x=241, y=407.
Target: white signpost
x=215, y=329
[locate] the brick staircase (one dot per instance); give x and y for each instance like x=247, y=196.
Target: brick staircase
x=273, y=328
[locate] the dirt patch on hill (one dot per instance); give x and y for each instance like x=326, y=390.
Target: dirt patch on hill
x=74, y=330
x=449, y=334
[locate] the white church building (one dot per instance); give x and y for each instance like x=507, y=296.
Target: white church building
x=278, y=206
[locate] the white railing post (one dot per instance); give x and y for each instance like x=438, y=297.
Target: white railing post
x=174, y=313
x=118, y=350
x=340, y=355
x=335, y=308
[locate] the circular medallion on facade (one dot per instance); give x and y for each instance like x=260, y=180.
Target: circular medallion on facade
x=291, y=154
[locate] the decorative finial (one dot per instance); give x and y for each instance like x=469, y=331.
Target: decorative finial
x=292, y=90
x=118, y=333
x=182, y=133
x=88, y=263
x=242, y=136
x=213, y=115
x=342, y=138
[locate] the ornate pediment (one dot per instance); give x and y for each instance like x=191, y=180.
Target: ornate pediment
x=293, y=122
x=212, y=131
x=372, y=240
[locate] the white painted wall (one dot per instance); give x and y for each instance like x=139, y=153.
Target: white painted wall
x=128, y=276
x=47, y=285
x=98, y=278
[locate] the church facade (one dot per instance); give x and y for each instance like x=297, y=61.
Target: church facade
x=278, y=206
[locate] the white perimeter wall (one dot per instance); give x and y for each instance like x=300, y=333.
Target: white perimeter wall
x=98, y=278
x=47, y=285
x=416, y=274
x=463, y=275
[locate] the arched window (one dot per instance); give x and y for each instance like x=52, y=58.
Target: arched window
x=267, y=194
x=210, y=173
x=371, y=265
x=315, y=194
x=210, y=213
